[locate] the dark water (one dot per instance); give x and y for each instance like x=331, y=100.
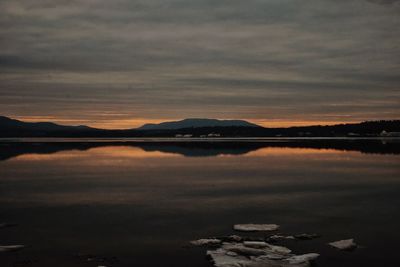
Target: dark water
x=138, y=204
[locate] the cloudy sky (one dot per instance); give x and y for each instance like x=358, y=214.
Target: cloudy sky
x=120, y=63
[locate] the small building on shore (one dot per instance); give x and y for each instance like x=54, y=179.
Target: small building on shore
x=353, y=134
x=214, y=135
x=390, y=134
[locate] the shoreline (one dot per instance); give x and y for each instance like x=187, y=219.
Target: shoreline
x=184, y=140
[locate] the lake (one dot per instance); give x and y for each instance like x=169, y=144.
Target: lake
x=139, y=203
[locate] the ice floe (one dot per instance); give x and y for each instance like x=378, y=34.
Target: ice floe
x=257, y=254
x=346, y=244
x=297, y=259
x=237, y=255
x=256, y=250
x=205, y=242
x=255, y=227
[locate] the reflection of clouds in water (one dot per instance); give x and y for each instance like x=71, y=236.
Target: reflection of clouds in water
x=118, y=148
x=122, y=175
x=99, y=152
x=289, y=151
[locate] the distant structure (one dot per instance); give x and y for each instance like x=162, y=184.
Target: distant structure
x=353, y=134
x=390, y=134
x=214, y=135
x=201, y=136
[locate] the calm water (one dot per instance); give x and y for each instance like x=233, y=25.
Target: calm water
x=140, y=204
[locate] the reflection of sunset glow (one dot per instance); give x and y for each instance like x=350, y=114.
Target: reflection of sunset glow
x=107, y=151
x=131, y=152
x=121, y=123
x=268, y=151
x=42, y=157
x=108, y=122
x=129, y=175
x=128, y=152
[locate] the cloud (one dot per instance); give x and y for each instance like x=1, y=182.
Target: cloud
x=269, y=59
x=384, y=2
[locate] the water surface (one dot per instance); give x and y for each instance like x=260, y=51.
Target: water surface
x=140, y=204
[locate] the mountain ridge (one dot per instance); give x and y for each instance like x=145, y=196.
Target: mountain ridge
x=196, y=123
x=10, y=128
x=17, y=124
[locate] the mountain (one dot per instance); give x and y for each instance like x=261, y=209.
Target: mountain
x=196, y=123
x=8, y=125
x=199, y=128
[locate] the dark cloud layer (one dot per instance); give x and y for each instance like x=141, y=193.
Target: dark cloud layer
x=286, y=60
x=384, y=2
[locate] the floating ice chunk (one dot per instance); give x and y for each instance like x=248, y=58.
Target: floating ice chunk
x=265, y=262
x=231, y=253
x=305, y=258
x=205, y=242
x=346, y=244
x=243, y=250
x=273, y=256
x=238, y=255
x=255, y=227
x=11, y=248
x=254, y=238
x=223, y=258
x=256, y=244
x=267, y=247
x=279, y=249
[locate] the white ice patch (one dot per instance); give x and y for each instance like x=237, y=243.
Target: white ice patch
x=345, y=244
x=205, y=242
x=302, y=258
x=255, y=227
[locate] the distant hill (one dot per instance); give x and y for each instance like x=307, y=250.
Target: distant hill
x=198, y=128
x=197, y=123
x=12, y=127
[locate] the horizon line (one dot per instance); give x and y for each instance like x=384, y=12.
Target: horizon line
x=115, y=124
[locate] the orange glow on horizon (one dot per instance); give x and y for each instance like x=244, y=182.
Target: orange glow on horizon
x=294, y=123
x=137, y=122
x=102, y=124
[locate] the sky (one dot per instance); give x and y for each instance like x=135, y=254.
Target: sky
x=123, y=63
